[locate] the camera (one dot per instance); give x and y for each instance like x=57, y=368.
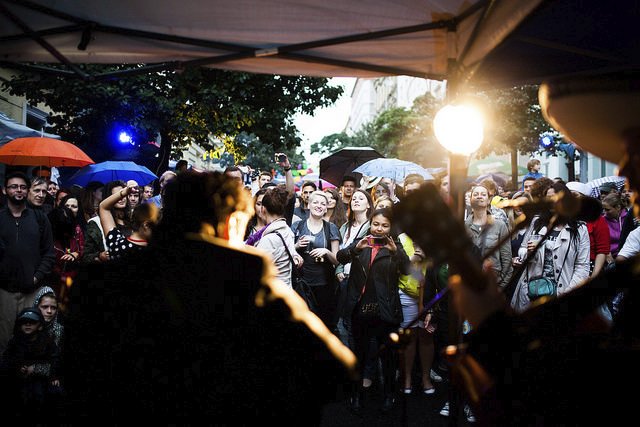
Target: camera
x=279, y=158
x=377, y=241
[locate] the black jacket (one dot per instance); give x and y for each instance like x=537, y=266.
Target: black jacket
x=193, y=326
x=383, y=274
x=28, y=250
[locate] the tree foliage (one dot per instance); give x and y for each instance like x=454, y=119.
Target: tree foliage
x=514, y=122
x=194, y=105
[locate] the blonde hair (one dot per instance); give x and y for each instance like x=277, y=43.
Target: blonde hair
x=319, y=193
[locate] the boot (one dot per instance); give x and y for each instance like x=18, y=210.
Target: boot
x=387, y=403
x=356, y=402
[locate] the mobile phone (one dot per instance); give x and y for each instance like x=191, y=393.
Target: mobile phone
x=280, y=157
x=377, y=241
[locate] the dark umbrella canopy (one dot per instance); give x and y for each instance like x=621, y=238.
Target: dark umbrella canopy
x=344, y=161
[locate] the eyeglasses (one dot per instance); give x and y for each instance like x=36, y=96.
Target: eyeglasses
x=16, y=186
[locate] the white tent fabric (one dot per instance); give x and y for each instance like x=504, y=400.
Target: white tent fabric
x=364, y=38
x=10, y=129
x=486, y=42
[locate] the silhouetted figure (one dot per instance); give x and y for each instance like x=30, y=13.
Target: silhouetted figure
x=196, y=324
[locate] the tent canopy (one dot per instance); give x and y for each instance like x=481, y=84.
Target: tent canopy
x=365, y=38
x=10, y=129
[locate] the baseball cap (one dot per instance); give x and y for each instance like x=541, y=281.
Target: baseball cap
x=32, y=314
x=579, y=187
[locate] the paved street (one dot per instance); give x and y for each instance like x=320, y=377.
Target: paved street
x=419, y=410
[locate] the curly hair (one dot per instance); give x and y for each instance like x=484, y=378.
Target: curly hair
x=540, y=187
x=194, y=198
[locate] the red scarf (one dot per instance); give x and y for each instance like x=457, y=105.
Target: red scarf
x=374, y=252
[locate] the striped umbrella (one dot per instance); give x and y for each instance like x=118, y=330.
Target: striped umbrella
x=595, y=184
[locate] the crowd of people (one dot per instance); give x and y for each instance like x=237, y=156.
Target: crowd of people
x=61, y=248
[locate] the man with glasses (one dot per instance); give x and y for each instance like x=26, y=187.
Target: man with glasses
x=27, y=250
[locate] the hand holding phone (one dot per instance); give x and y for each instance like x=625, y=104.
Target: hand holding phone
x=377, y=241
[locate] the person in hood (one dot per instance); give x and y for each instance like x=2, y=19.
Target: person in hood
x=47, y=302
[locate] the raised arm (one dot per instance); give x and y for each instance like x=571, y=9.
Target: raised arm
x=106, y=218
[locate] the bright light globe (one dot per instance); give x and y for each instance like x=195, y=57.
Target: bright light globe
x=459, y=129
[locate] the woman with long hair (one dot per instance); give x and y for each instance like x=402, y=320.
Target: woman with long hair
x=68, y=243
x=356, y=227
x=335, y=209
x=257, y=223
x=377, y=261
x=563, y=255
x=143, y=220
x=90, y=199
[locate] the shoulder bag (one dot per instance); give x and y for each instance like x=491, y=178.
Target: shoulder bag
x=297, y=281
x=541, y=286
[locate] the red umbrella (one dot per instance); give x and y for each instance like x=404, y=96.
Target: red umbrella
x=42, y=151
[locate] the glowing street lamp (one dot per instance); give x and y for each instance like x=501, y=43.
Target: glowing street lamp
x=459, y=128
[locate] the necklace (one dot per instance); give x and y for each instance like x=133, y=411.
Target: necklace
x=136, y=240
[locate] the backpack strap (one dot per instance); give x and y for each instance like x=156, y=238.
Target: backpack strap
x=325, y=227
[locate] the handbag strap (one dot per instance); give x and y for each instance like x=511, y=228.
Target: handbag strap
x=293, y=264
x=566, y=254
x=325, y=228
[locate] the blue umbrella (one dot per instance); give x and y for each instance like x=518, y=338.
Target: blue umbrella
x=395, y=169
x=111, y=171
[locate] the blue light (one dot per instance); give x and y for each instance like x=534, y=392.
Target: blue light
x=546, y=141
x=124, y=138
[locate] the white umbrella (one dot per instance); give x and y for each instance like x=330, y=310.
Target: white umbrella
x=395, y=169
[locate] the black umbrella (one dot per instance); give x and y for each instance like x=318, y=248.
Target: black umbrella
x=344, y=161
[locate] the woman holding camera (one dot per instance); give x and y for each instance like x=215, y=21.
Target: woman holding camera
x=377, y=261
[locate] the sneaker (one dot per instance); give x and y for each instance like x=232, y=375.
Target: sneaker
x=445, y=410
x=435, y=376
x=467, y=413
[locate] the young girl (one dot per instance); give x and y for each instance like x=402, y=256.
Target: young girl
x=47, y=302
x=30, y=364
x=377, y=260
